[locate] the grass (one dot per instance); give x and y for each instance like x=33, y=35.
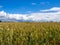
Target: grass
x=33, y=33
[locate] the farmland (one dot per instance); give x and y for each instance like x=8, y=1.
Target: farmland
x=29, y=33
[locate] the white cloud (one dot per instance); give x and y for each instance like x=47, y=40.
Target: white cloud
x=2, y=13
x=48, y=16
x=41, y=3
x=44, y=3
x=33, y=3
x=52, y=9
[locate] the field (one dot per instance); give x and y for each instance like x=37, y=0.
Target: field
x=29, y=33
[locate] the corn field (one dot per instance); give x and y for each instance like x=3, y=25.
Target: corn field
x=29, y=33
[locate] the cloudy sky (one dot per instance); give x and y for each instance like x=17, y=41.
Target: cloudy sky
x=30, y=10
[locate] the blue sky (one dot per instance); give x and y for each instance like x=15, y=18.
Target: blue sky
x=26, y=6
x=30, y=10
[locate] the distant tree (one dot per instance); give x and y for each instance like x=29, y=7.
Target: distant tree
x=51, y=21
x=0, y=21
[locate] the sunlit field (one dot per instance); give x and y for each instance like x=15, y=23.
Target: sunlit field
x=29, y=33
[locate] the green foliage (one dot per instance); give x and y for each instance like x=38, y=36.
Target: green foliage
x=30, y=33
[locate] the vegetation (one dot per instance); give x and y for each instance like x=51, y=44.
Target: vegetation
x=25, y=33
x=0, y=21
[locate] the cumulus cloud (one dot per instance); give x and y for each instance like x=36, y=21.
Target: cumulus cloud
x=36, y=17
x=2, y=13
